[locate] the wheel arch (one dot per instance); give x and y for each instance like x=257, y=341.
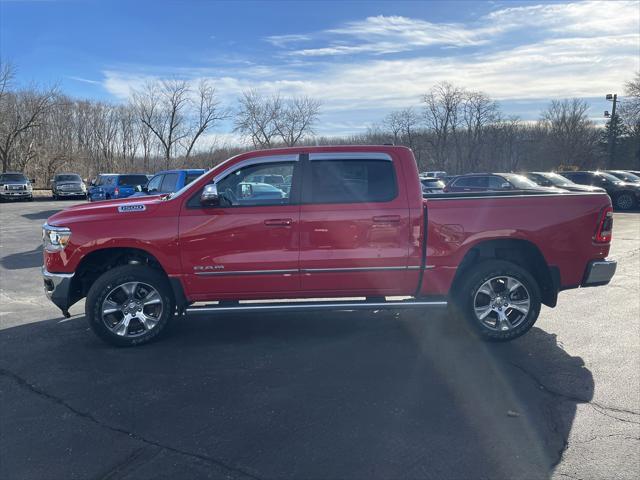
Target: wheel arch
x=519, y=251
x=101, y=260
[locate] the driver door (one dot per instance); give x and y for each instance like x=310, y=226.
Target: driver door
x=248, y=245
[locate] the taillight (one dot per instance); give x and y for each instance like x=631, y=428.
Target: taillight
x=605, y=226
x=116, y=192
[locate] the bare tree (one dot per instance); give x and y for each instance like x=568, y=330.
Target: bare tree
x=442, y=114
x=208, y=112
x=572, y=136
x=479, y=111
x=20, y=112
x=295, y=119
x=256, y=118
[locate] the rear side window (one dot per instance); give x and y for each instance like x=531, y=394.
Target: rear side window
x=190, y=177
x=132, y=180
x=350, y=181
x=169, y=182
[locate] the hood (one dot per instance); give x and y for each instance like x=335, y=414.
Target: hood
x=630, y=185
x=103, y=211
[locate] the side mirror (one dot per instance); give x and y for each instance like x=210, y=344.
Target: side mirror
x=209, y=196
x=32, y=180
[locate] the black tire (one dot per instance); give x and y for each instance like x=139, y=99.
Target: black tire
x=485, y=271
x=108, y=282
x=625, y=201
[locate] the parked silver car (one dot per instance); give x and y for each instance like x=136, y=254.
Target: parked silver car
x=15, y=186
x=68, y=185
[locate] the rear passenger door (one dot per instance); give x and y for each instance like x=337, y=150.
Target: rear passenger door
x=354, y=226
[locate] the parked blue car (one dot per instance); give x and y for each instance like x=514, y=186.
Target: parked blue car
x=169, y=181
x=109, y=186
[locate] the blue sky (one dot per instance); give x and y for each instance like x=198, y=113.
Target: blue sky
x=361, y=59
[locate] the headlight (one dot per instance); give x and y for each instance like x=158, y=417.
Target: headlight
x=83, y=187
x=29, y=186
x=55, y=239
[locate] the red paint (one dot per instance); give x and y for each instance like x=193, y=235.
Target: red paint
x=386, y=237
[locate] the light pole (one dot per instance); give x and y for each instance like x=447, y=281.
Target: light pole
x=613, y=123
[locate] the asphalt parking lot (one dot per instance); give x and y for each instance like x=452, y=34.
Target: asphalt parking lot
x=318, y=396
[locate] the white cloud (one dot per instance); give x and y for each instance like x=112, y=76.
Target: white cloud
x=583, y=49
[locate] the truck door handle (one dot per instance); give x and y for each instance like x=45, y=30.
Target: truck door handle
x=387, y=219
x=278, y=222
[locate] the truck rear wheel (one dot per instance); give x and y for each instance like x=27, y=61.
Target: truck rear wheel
x=129, y=305
x=500, y=299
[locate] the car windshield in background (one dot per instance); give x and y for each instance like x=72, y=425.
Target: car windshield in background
x=557, y=180
x=521, y=182
x=608, y=176
x=627, y=177
x=12, y=177
x=132, y=180
x=68, y=178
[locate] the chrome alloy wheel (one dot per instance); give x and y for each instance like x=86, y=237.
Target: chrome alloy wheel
x=501, y=303
x=132, y=309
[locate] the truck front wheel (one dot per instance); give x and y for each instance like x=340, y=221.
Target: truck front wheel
x=500, y=299
x=129, y=305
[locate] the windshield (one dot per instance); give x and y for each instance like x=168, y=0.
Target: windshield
x=68, y=178
x=521, y=182
x=557, y=180
x=627, y=177
x=12, y=177
x=105, y=180
x=609, y=177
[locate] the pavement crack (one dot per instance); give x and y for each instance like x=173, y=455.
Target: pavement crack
x=87, y=416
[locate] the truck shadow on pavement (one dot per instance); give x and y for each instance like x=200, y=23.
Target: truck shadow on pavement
x=18, y=261
x=43, y=215
x=320, y=395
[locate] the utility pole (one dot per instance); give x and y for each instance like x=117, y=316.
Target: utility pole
x=613, y=122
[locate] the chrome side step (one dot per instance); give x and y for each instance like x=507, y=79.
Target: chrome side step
x=279, y=306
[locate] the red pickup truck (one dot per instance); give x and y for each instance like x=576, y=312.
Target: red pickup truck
x=345, y=228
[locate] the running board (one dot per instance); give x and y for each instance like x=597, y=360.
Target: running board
x=317, y=306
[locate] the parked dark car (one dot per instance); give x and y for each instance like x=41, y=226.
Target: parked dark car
x=624, y=195
x=635, y=172
x=15, y=186
x=494, y=182
x=68, y=185
x=552, y=179
x=169, y=181
x=109, y=186
x=432, y=184
x=624, y=176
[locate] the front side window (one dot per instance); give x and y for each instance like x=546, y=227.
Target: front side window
x=350, y=181
x=247, y=186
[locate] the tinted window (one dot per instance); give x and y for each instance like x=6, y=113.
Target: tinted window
x=471, y=182
x=582, y=178
x=495, y=183
x=169, y=182
x=351, y=181
x=154, y=184
x=105, y=180
x=132, y=180
x=239, y=189
x=191, y=177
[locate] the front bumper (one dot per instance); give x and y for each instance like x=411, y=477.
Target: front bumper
x=599, y=272
x=65, y=193
x=57, y=287
x=15, y=194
